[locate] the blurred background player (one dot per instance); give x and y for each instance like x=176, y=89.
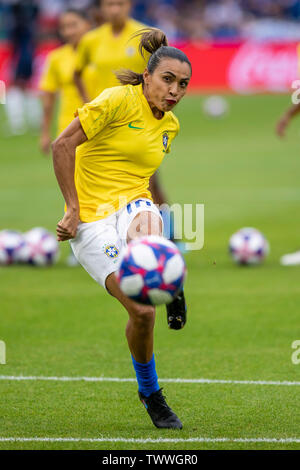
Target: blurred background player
x=106, y=49
x=22, y=105
x=57, y=79
x=290, y=259
x=109, y=48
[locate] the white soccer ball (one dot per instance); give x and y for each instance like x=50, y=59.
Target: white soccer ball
x=215, y=106
x=152, y=270
x=40, y=247
x=11, y=243
x=248, y=246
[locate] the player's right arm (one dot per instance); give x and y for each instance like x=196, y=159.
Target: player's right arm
x=64, y=151
x=285, y=119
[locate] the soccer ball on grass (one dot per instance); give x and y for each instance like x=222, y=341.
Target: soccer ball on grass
x=40, y=248
x=11, y=243
x=248, y=246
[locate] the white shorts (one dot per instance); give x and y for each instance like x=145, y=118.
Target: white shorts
x=98, y=245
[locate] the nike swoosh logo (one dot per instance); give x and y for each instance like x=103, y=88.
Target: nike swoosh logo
x=134, y=127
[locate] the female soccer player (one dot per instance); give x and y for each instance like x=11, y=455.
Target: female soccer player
x=119, y=140
x=290, y=259
x=58, y=75
x=108, y=48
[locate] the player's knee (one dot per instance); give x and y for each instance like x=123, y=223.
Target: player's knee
x=145, y=223
x=143, y=316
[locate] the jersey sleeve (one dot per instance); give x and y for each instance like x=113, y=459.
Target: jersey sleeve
x=104, y=110
x=49, y=80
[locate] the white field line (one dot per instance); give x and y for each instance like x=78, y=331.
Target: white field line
x=149, y=440
x=118, y=379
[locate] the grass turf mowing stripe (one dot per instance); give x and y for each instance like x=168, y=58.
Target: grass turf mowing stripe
x=118, y=379
x=149, y=440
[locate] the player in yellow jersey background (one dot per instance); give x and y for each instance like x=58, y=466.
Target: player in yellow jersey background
x=103, y=162
x=57, y=78
x=108, y=48
x=290, y=259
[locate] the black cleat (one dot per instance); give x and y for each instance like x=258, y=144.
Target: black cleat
x=176, y=312
x=161, y=414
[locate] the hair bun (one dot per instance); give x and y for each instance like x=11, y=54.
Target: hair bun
x=151, y=40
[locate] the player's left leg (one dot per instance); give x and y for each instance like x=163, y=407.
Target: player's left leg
x=139, y=334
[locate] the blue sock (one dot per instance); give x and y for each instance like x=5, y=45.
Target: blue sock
x=146, y=376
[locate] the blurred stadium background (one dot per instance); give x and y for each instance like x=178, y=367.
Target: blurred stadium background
x=220, y=37
x=242, y=322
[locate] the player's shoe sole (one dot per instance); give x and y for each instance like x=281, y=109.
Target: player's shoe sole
x=176, y=312
x=160, y=413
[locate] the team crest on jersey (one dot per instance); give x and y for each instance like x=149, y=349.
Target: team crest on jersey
x=111, y=251
x=165, y=140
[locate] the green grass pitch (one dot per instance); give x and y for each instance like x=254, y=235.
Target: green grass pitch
x=241, y=322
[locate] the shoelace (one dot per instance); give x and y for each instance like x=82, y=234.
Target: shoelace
x=159, y=399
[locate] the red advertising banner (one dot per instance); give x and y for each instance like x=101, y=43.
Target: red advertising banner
x=247, y=67
x=241, y=67
x=6, y=73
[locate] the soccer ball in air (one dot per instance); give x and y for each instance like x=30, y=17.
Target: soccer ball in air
x=11, y=243
x=215, y=106
x=152, y=270
x=248, y=246
x=40, y=248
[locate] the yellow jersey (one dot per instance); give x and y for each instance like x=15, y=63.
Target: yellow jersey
x=58, y=77
x=126, y=144
x=107, y=53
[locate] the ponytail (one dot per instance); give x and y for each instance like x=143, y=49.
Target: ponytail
x=128, y=77
x=155, y=42
x=151, y=40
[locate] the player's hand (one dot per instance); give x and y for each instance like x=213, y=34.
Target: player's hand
x=281, y=126
x=67, y=227
x=45, y=143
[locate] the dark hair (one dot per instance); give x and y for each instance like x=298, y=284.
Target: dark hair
x=155, y=42
x=81, y=13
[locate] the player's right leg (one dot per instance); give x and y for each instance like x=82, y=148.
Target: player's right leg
x=150, y=222
x=143, y=222
x=176, y=312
